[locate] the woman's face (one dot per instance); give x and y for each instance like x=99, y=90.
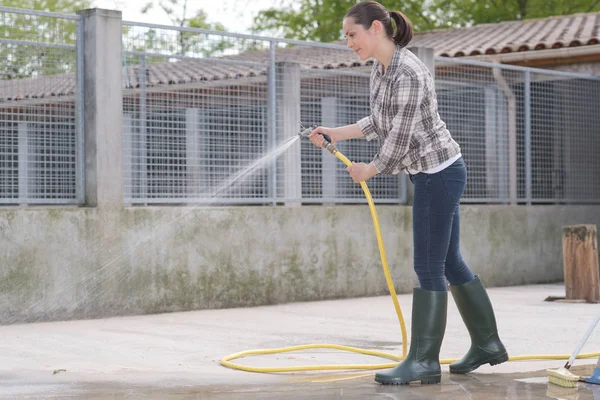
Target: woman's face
x=361, y=40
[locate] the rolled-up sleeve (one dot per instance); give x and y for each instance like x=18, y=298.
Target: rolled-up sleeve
x=406, y=101
x=368, y=128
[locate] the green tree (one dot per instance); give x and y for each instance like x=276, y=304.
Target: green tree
x=470, y=12
x=321, y=20
x=20, y=60
x=187, y=42
x=59, y=6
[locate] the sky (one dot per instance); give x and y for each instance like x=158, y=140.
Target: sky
x=235, y=15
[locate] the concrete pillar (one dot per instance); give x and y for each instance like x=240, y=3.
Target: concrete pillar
x=128, y=158
x=196, y=152
x=288, y=124
x=103, y=119
x=496, y=144
x=427, y=56
x=511, y=102
x=141, y=137
x=564, y=172
x=329, y=117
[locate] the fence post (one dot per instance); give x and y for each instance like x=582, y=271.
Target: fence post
x=272, y=121
x=496, y=147
x=288, y=124
x=427, y=56
x=511, y=100
x=23, y=163
x=103, y=113
x=128, y=161
x=80, y=107
x=142, y=153
x=329, y=117
x=196, y=152
x=527, y=101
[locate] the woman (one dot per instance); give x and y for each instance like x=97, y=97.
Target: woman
x=413, y=138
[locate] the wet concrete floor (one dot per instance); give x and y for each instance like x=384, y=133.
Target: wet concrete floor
x=530, y=386
x=176, y=355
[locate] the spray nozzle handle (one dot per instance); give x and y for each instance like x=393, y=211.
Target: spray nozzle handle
x=307, y=131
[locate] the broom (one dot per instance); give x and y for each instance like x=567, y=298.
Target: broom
x=562, y=376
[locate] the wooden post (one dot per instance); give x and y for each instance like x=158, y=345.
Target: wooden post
x=580, y=261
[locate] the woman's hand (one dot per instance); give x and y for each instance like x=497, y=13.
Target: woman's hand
x=316, y=136
x=361, y=172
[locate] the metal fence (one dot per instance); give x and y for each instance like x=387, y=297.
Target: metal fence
x=201, y=105
x=528, y=135
x=40, y=131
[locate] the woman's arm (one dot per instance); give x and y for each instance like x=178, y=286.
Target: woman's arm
x=335, y=134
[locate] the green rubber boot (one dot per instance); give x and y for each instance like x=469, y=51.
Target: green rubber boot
x=422, y=363
x=478, y=315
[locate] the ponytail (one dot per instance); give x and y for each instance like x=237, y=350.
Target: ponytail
x=402, y=31
x=397, y=26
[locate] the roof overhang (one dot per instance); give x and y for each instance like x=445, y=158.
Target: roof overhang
x=541, y=58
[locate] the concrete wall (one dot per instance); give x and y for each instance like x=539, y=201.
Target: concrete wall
x=582, y=68
x=64, y=263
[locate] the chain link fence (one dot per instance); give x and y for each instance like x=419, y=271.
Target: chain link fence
x=40, y=129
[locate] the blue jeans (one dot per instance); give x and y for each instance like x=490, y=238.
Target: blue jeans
x=436, y=227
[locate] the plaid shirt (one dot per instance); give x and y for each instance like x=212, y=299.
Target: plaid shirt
x=405, y=118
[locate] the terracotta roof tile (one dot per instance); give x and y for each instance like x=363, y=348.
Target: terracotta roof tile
x=512, y=36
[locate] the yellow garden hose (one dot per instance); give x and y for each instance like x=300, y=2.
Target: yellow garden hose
x=226, y=361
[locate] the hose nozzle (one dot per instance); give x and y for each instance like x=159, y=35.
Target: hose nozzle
x=305, y=132
x=326, y=145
